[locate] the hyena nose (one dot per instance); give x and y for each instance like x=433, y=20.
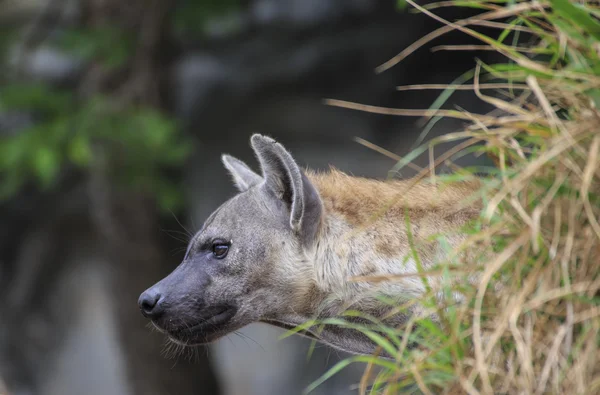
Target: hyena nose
x=150, y=304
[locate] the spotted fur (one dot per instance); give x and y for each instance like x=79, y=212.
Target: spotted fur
x=299, y=239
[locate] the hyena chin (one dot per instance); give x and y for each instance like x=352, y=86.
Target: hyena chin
x=286, y=248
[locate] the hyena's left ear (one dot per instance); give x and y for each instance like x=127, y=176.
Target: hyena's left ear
x=284, y=180
x=243, y=177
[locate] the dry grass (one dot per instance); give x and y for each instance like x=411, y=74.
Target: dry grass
x=531, y=321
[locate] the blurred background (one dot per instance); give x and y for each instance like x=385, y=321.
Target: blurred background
x=113, y=116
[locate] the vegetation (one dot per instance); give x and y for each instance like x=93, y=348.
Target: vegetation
x=114, y=130
x=137, y=142
x=530, y=322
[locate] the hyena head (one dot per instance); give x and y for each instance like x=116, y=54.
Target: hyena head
x=234, y=270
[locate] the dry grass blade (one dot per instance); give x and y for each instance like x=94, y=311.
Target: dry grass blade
x=464, y=87
x=500, y=104
x=478, y=48
x=503, y=26
x=498, y=14
x=420, y=381
x=516, y=303
x=385, y=152
x=366, y=377
x=560, y=146
x=546, y=106
x=406, y=112
x=490, y=270
x=590, y=169
x=501, y=48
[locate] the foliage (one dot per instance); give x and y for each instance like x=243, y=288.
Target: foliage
x=527, y=280
x=138, y=142
x=108, y=45
x=191, y=17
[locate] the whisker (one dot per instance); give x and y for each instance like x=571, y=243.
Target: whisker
x=190, y=234
x=173, y=234
x=246, y=337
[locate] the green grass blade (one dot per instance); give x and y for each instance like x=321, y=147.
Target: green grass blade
x=346, y=362
x=578, y=16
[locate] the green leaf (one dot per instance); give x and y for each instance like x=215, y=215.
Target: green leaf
x=569, y=30
x=433, y=329
x=177, y=155
x=10, y=185
x=168, y=196
x=46, y=163
x=192, y=16
x=371, y=334
x=34, y=96
x=508, y=30
x=346, y=362
x=578, y=15
x=79, y=150
x=303, y=327
x=439, y=102
x=13, y=150
x=109, y=45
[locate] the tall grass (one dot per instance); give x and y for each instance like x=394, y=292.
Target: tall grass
x=530, y=322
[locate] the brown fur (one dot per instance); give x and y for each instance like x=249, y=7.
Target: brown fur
x=361, y=200
x=298, y=239
x=379, y=209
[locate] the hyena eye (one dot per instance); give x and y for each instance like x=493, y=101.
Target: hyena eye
x=220, y=249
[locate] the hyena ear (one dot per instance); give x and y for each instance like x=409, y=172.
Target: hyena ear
x=243, y=177
x=285, y=181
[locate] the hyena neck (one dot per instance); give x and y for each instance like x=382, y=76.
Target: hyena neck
x=372, y=228
x=319, y=300
x=321, y=282
x=364, y=233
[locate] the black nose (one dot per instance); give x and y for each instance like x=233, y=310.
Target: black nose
x=150, y=304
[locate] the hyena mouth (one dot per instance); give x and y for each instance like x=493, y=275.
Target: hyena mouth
x=207, y=329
